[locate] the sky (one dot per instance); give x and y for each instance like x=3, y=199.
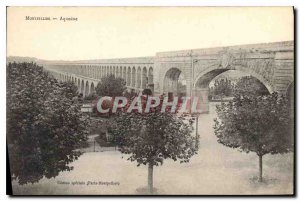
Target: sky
x=119, y=32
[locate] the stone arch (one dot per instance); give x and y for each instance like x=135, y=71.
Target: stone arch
x=97, y=72
x=138, y=77
x=117, y=71
x=128, y=76
x=124, y=74
x=171, y=80
x=201, y=85
x=144, y=78
x=150, y=79
x=204, y=78
x=133, y=81
x=121, y=72
x=88, y=70
x=78, y=84
x=92, y=88
x=82, y=88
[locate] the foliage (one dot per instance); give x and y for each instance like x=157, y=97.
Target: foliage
x=91, y=97
x=150, y=138
x=147, y=92
x=250, y=86
x=222, y=87
x=111, y=86
x=44, y=123
x=130, y=94
x=260, y=124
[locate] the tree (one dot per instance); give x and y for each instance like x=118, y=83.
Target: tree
x=150, y=138
x=147, y=92
x=222, y=87
x=260, y=124
x=44, y=123
x=111, y=86
x=250, y=86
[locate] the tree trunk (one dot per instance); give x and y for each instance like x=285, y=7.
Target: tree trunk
x=150, y=178
x=260, y=168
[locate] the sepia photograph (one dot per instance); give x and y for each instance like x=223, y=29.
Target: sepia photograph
x=150, y=100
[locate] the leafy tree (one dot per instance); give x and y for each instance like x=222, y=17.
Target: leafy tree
x=91, y=97
x=260, y=124
x=111, y=86
x=147, y=92
x=150, y=138
x=44, y=123
x=222, y=87
x=250, y=86
x=130, y=94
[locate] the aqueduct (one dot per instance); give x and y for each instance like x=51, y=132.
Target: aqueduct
x=271, y=63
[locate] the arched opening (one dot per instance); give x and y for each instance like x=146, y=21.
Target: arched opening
x=144, y=78
x=121, y=72
x=129, y=76
x=87, y=89
x=124, y=76
x=133, y=83
x=117, y=72
x=82, y=88
x=221, y=85
x=174, y=83
x=78, y=85
x=150, y=80
x=96, y=72
x=209, y=78
x=138, y=78
x=92, y=88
